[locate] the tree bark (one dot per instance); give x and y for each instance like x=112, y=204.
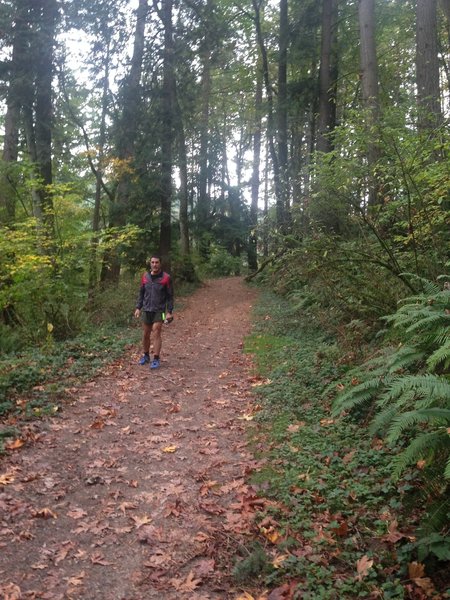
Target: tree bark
x=282, y=118
x=427, y=65
x=168, y=94
x=15, y=98
x=255, y=181
x=126, y=139
x=203, y=202
x=327, y=77
x=369, y=86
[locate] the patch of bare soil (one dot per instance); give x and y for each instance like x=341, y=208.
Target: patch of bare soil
x=137, y=491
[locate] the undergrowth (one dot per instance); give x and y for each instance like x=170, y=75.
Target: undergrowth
x=33, y=382
x=336, y=524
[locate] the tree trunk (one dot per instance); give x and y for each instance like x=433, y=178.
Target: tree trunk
x=282, y=119
x=183, y=168
x=270, y=113
x=167, y=134
x=93, y=269
x=255, y=181
x=327, y=77
x=427, y=65
x=126, y=139
x=369, y=84
x=43, y=52
x=14, y=101
x=203, y=202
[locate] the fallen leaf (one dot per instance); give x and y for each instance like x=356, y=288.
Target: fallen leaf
x=295, y=426
x=140, y=521
x=279, y=560
x=76, y=513
x=45, y=513
x=15, y=444
x=205, y=567
x=416, y=570
x=393, y=534
x=189, y=584
x=11, y=591
x=98, y=559
x=170, y=449
x=426, y=585
x=325, y=422
x=247, y=417
x=363, y=566
x=126, y=505
x=6, y=478
x=76, y=579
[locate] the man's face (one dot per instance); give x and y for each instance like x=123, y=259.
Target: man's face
x=155, y=265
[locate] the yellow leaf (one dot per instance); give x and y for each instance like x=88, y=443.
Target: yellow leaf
x=140, y=521
x=270, y=533
x=6, y=478
x=279, y=560
x=247, y=417
x=170, y=449
x=45, y=513
x=245, y=596
x=49, y=327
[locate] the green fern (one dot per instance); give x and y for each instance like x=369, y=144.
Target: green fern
x=359, y=395
x=408, y=390
x=424, y=446
x=404, y=358
x=440, y=357
x=435, y=416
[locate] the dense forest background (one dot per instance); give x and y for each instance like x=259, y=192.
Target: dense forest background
x=303, y=143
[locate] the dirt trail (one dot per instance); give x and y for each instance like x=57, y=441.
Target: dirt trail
x=137, y=490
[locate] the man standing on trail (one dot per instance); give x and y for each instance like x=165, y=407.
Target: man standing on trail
x=156, y=300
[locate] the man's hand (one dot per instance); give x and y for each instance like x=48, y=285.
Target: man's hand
x=137, y=312
x=169, y=317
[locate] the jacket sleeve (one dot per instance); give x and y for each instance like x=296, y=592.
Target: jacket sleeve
x=140, y=298
x=169, y=296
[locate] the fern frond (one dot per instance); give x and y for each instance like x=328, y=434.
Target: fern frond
x=447, y=470
x=358, y=395
x=429, y=287
x=423, y=446
x=429, y=385
x=429, y=320
x=382, y=419
x=441, y=356
x=404, y=358
x=437, y=416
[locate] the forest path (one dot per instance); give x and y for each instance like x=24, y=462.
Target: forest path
x=137, y=490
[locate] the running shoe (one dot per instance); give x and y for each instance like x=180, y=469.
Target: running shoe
x=155, y=363
x=144, y=360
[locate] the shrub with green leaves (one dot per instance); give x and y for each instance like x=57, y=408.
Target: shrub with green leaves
x=405, y=391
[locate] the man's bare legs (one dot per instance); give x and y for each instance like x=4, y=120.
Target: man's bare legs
x=157, y=338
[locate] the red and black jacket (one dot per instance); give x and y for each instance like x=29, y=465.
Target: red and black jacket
x=156, y=293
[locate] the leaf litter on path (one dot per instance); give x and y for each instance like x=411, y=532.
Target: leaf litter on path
x=146, y=494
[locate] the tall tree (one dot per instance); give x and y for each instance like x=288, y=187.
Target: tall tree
x=167, y=139
x=282, y=117
x=327, y=76
x=256, y=163
x=127, y=129
x=427, y=65
x=369, y=85
x=14, y=100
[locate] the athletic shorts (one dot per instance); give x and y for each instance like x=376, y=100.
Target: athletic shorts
x=152, y=317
